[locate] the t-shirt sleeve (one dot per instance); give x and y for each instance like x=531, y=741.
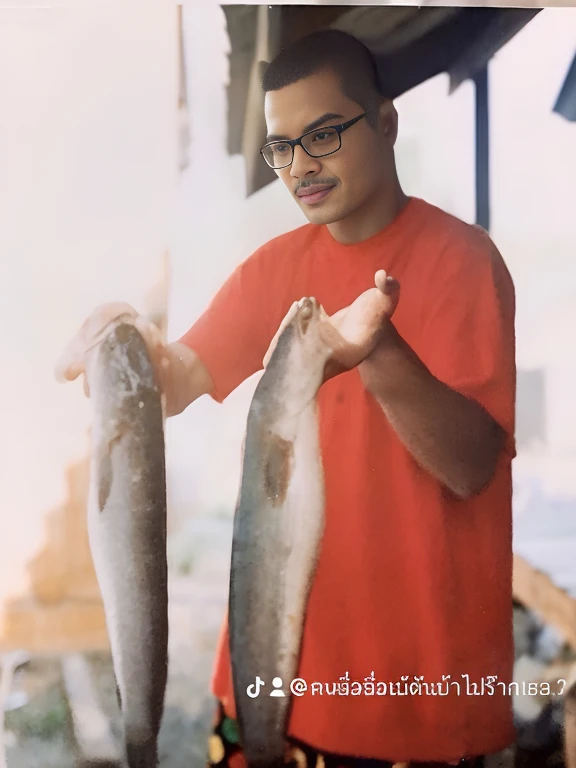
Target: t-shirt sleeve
x=232, y=336
x=469, y=338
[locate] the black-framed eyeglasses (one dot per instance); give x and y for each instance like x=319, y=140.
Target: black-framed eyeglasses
x=317, y=143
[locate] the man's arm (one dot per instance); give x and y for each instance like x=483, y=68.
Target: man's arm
x=181, y=374
x=449, y=435
x=227, y=343
x=453, y=402
x=185, y=378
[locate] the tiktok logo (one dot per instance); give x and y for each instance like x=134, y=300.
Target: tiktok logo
x=254, y=690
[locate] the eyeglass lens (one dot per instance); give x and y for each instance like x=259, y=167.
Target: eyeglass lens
x=317, y=144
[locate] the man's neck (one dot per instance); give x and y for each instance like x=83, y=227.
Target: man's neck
x=372, y=218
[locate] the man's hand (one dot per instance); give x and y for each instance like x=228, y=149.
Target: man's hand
x=73, y=361
x=354, y=332
x=180, y=373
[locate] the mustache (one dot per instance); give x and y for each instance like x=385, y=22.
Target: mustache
x=314, y=183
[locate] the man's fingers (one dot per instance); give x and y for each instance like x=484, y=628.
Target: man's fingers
x=156, y=347
x=386, y=283
x=76, y=356
x=380, y=279
x=151, y=335
x=72, y=361
x=70, y=364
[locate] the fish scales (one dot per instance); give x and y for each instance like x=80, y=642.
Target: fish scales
x=127, y=531
x=278, y=528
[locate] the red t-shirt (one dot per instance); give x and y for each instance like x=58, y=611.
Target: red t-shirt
x=411, y=582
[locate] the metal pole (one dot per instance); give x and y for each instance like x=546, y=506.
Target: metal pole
x=482, y=149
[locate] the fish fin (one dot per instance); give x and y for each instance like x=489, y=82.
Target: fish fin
x=105, y=466
x=278, y=468
x=104, y=478
x=118, y=694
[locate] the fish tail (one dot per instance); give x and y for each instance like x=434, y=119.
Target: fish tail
x=141, y=753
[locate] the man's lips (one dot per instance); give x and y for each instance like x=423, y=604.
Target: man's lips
x=314, y=193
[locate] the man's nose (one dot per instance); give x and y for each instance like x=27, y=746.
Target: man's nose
x=303, y=164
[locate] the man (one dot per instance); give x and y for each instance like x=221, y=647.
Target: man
x=417, y=429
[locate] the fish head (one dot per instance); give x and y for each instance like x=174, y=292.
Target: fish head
x=296, y=366
x=307, y=313
x=308, y=348
x=123, y=385
x=73, y=360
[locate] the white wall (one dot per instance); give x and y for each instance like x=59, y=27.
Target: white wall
x=534, y=198
x=534, y=168
x=88, y=160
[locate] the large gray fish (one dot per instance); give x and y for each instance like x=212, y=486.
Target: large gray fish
x=127, y=530
x=278, y=527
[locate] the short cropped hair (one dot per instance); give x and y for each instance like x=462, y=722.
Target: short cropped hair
x=333, y=49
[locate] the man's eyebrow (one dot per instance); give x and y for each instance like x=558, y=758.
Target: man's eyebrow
x=319, y=123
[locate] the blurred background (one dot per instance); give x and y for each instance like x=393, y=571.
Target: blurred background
x=129, y=172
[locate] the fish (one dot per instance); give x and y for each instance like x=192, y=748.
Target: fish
x=277, y=533
x=127, y=528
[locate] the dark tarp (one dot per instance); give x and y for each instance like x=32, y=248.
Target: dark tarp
x=566, y=102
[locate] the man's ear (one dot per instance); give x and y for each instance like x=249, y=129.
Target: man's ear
x=388, y=117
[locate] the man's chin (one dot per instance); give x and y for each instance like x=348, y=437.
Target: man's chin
x=322, y=215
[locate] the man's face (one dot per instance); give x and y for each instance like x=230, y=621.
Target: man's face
x=341, y=183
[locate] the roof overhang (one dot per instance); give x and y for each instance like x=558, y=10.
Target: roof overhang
x=410, y=44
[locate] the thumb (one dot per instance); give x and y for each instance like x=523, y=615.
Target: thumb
x=386, y=283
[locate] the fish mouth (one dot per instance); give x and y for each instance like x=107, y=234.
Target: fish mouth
x=120, y=319
x=308, y=310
